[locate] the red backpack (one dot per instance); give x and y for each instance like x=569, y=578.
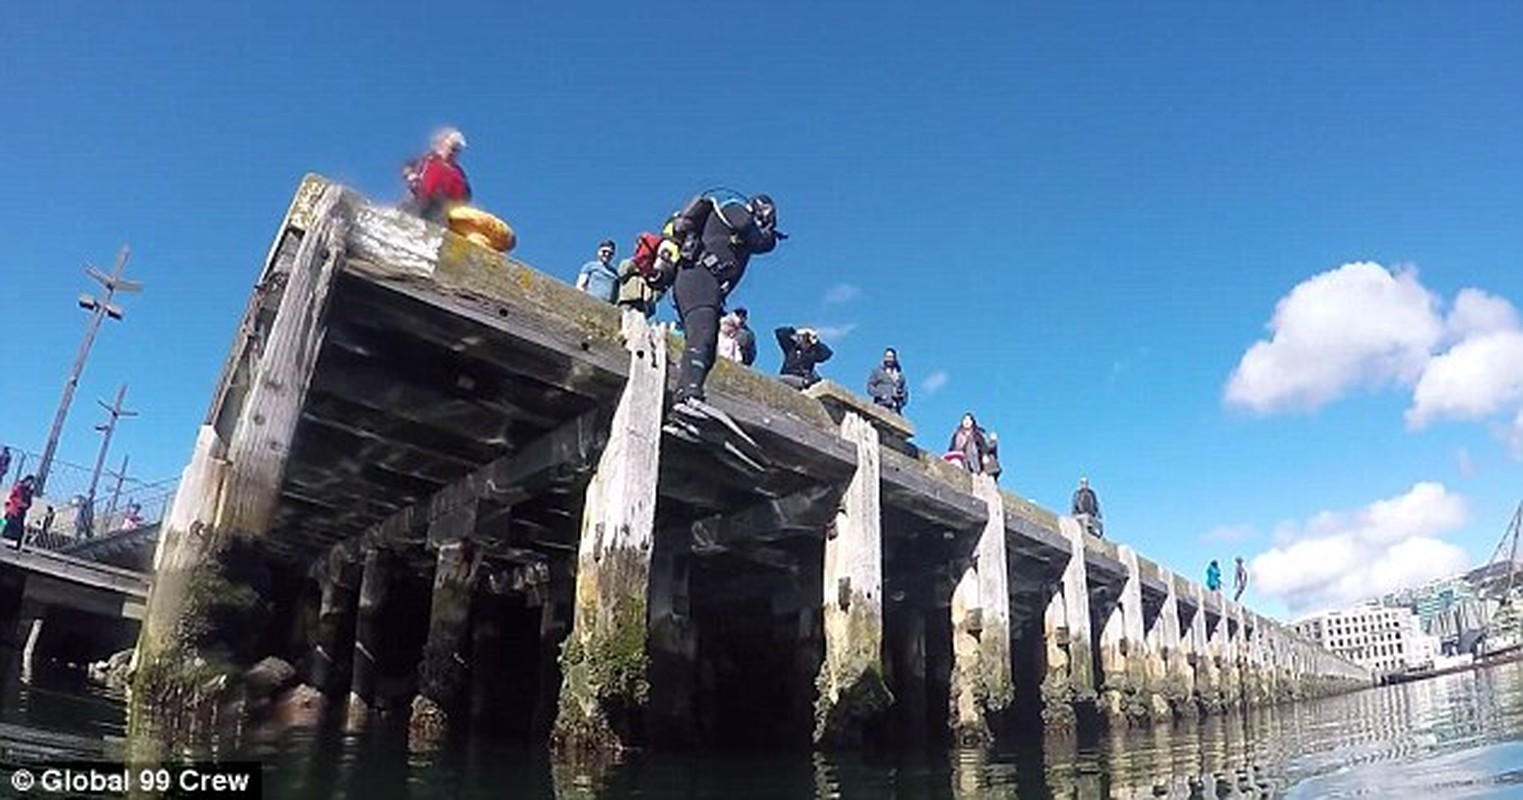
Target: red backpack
x=658, y=272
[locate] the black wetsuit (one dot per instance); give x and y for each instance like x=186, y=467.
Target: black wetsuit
x=714, y=260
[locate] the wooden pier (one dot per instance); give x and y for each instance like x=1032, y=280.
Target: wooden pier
x=435, y=481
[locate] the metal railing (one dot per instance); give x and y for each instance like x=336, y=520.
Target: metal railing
x=65, y=516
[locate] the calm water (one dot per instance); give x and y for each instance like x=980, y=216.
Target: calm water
x=1451, y=737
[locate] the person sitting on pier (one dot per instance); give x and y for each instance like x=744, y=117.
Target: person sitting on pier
x=1213, y=576
x=969, y=445
x=435, y=181
x=1239, y=580
x=1086, y=509
x=718, y=234
x=16, y=505
x=886, y=384
x=802, y=352
x=598, y=277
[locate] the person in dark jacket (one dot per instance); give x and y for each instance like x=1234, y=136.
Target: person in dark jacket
x=16, y=505
x=969, y=444
x=1086, y=508
x=718, y=236
x=886, y=384
x=436, y=181
x=802, y=352
x=5, y=462
x=745, y=338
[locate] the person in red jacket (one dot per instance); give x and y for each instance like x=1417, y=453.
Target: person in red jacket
x=436, y=180
x=16, y=506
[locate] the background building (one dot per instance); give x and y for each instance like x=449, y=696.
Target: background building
x=1455, y=609
x=1379, y=638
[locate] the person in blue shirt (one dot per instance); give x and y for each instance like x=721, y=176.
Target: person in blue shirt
x=1214, y=576
x=599, y=278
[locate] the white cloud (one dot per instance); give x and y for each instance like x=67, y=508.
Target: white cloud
x=1476, y=312
x=934, y=381
x=1363, y=326
x=842, y=293
x=1475, y=379
x=1337, y=558
x=1352, y=326
x=834, y=333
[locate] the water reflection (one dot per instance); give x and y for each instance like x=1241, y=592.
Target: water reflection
x=1456, y=736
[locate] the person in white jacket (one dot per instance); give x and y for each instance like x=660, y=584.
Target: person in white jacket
x=729, y=341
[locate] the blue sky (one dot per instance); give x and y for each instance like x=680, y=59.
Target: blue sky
x=1082, y=219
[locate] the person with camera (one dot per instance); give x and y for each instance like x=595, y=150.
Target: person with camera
x=802, y=352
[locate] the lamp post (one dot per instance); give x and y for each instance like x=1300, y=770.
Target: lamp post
x=99, y=309
x=116, y=494
x=115, y=412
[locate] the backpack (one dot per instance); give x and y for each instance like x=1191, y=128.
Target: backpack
x=655, y=259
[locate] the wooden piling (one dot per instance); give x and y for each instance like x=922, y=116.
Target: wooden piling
x=1081, y=666
x=1232, y=635
x=375, y=586
x=1178, y=686
x=1125, y=657
x=1208, y=675
x=850, y=689
x=210, y=601
x=443, y=672
x=604, y=684
x=328, y=663
x=487, y=666
x=1057, y=686
x=982, y=685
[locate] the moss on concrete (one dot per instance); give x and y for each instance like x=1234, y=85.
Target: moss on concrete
x=996, y=686
x=850, y=690
x=1058, y=699
x=604, y=662
x=190, y=662
x=1080, y=652
x=1175, y=689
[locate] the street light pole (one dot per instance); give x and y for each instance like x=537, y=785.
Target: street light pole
x=116, y=494
x=99, y=309
x=116, y=412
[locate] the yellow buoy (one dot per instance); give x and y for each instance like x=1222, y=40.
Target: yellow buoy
x=482, y=228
